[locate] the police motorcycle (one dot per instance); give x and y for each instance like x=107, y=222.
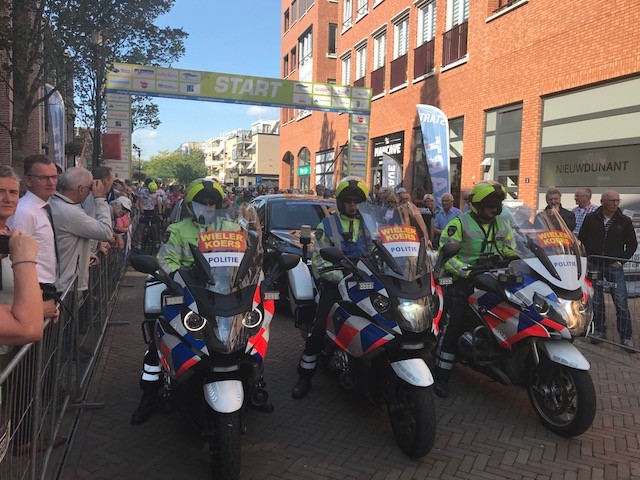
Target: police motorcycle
x=526, y=313
x=376, y=334
x=211, y=324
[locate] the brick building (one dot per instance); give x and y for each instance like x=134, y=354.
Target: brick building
x=538, y=94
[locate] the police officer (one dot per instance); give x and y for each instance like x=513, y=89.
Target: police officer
x=481, y=231
x=342, y=229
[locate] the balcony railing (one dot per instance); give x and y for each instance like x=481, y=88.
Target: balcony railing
x=359, y=82
x=399, y=71
x=423, y=59
x=377, y=81
x=455, y=44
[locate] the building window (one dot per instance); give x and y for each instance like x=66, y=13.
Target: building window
x=285, y=66
x=361, y=61
x=426, y=22
x=333, y=38
x=294, y=11
x=503, y=134
x=457, y=12
x=325, y=168
x=347, y=14
x=401, y=40
x=379, y=50
x=305, y=45
x=455, y=38
x=294, y=62
x=363, y=9
x=346, y=70
x=287, y=23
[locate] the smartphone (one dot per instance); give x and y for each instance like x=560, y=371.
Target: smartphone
x=4, y=244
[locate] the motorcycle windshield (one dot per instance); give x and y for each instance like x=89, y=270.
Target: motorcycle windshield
x=548, y=247
x=396, y=240
x=229, y=249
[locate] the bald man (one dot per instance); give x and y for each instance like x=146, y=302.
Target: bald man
x=609, y=233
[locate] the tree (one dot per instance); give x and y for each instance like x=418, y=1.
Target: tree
x=177, y=167
x=39, y=37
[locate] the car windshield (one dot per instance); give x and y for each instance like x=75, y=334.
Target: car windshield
x=291, y=214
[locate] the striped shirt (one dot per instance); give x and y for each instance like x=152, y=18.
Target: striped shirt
x=580, y=213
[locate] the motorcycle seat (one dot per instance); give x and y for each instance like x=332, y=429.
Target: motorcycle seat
x=487, y=282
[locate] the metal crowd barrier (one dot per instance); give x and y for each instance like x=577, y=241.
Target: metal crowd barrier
x=618, y=288
x=43, y=384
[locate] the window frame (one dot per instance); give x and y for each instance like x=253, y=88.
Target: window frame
x=377, y=62
x=361, y=60
x=397, y=52
x=431, y=7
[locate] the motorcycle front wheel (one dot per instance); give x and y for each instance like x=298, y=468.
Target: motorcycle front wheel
x=413, y=418
x=563, y=398
x=224, y=446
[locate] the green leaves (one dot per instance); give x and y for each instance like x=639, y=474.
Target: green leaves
x=177, y=167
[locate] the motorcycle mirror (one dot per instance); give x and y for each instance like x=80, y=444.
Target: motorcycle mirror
x=144, y=263
x=305, y=234
x=332, y=254
x=287, y=261
x=448, y=251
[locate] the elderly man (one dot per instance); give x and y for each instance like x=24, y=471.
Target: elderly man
x=610, y=233
x=444, y=216
x=75, y=228
x=33, y=217
x=553, y=198
x=583, y=207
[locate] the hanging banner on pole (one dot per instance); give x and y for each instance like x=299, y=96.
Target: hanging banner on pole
x=55, y=105
x=435, y=134
x=391, y=172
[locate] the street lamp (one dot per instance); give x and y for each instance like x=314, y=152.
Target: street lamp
x=98, y=41
x=139, y=151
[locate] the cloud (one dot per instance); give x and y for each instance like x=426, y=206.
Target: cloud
x=263, y=112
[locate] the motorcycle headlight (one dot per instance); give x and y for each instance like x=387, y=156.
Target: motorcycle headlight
x=541, y=305
x=380, y=303
x=194, y=322
x=418, y=314
x=579, y=313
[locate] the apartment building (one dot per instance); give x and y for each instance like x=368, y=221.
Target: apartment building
x=538, y=94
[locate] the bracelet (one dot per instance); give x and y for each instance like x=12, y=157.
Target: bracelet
x=23, y=261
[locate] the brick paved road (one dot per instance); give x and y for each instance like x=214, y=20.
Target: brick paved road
x=485, y=430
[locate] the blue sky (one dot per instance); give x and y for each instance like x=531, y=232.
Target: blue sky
x=240, y=37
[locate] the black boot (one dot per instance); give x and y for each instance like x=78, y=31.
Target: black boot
x=147, y=406
x=303, y=386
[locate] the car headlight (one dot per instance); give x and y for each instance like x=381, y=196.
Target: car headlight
x=194, y=322
x=380, y=303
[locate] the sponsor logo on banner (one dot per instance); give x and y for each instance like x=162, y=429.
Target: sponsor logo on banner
x=117, y=123
x=319, y=89
x=357, y=165
x=114, y=129
x=190, y=88
x=302, y=99
x=144, y=84
x=192, y=77
x=341, y=102
x=359, y=138
x=302, y=88
x=358, y=155
x=118, y=114
x=168, y=86
x=125, y=107
x=118, y=98
x=322, y=101
x=120, y=70
x=363, y=104
x=341, y=91
x=222, y=241
x=358, y=147
x=554, y=238
x=362, y=119
x=167, y=74
x=357, y=128
x=363, y=93
x=144, y=72
x=400, y=241
x=119, y=82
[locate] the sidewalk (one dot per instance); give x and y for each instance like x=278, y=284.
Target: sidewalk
x=485, y=430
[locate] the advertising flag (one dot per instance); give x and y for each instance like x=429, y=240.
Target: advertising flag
x=435, y=134
x=391, y=172
x=55, y=104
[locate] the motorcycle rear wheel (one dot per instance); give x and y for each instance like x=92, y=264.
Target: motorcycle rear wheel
x=566, y=402
x=224, y=446
x=412, y=414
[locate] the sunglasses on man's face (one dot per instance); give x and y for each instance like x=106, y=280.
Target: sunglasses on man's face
x=351, y=200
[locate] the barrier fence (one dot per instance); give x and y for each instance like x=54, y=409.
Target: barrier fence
x=43, y=384
x=616, y=301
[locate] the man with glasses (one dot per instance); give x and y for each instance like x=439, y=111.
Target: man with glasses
x=74, y=227
x=583, y=207
x=342, y=229
x=610, y=233
x=33, y=217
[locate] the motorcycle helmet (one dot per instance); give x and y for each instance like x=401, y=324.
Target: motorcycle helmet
x=153, y=187
x=486, y=194
x=203, y=197
x=350, y=189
